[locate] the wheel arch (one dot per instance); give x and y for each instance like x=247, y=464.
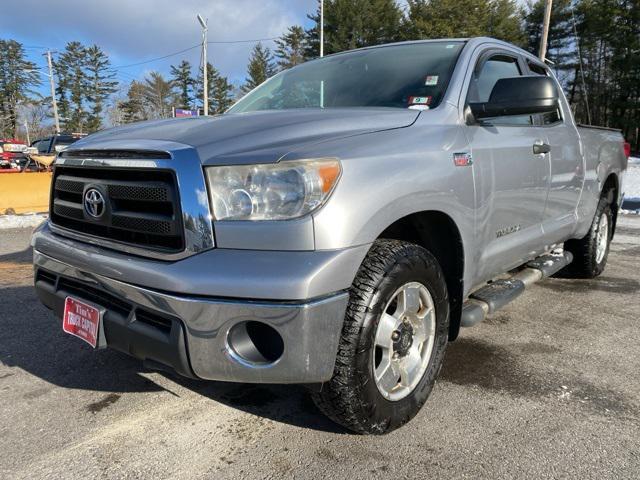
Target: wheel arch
x=611, y=188
x=437, y=232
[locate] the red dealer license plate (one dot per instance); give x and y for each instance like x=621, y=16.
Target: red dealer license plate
x=81, y=320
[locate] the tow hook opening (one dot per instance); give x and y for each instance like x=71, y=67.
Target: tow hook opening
x=255, y=343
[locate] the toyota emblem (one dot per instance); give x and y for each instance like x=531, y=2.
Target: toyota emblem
x=94, y=203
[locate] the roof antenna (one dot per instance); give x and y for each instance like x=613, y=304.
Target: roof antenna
x=584, y=86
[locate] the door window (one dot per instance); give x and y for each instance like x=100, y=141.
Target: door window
x=482, y=83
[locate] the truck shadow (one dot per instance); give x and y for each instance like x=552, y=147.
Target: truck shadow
x=604, y=283
x=31, y=339
x=23, y=257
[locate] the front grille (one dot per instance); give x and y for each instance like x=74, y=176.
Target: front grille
x=141, y=208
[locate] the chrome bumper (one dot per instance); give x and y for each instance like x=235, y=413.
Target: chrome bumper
x=309, y=329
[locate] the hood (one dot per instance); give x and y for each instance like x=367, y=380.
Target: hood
x=254, y=137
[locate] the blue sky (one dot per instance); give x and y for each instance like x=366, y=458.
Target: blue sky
x=133, y=31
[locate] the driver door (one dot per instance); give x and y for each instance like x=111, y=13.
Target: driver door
x=511, y=180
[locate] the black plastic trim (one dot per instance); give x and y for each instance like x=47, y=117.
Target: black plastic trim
x=153, y=337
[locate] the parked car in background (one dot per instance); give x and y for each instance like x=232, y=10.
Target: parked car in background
x=336, y=227
x=56, y=143
x=12, y=153
x=43, y=151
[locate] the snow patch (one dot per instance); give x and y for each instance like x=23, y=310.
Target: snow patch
x=631, y=187
x=21, y=221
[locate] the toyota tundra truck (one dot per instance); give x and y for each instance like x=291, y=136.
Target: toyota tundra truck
x=336, y=227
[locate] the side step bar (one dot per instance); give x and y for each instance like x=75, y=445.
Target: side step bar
x=499, y=293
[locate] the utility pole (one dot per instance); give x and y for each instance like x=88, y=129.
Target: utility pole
x=321, y=28
x=26, y=127
x=205, y=87
x=545, y=30
x=53, y=93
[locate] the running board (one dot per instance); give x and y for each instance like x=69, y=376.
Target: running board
x=499, y=293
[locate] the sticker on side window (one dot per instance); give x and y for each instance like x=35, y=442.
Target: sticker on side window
x=431, y=80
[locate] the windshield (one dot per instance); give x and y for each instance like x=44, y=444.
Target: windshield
x=407, y=75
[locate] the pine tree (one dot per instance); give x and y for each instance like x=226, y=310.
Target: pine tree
x=560, y=43
x=609, y=32
x=184, y=83
x=446, y=18
x=291, y=48
x=260, y=67
x=133, y=108
x=222, y=98
x=157, y=95
x=464, y=18
x=17, y=77
x=625, y=68
x=72, y=86
x=100, y=85
x=212, y=74
x=505, y=22
x=220, y=89
x=353, y=24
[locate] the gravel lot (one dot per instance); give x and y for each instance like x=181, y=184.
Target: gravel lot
x=549, y=387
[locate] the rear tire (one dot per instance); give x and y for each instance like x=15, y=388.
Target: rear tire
x=590, y=253
x=359, y=396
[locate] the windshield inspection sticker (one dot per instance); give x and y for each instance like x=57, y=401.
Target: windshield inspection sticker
x=419, y=100
x=431, y=80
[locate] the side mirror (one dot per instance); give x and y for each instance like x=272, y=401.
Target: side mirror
x=518, y=96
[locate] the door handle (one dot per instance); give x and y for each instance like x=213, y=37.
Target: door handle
x=541, y=148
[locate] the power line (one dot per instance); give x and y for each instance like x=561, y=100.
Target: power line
x=214, y=42
x=156, y=59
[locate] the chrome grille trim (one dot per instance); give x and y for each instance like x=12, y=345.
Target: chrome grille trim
x=192, y=191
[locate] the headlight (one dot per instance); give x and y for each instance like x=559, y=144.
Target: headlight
x=277, y=191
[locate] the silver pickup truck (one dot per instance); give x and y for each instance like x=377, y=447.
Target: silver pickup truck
x=336, y=227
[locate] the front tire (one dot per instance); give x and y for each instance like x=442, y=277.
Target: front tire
x=590, y=253
x=393, y=340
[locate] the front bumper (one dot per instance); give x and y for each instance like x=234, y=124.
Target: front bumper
x=190, y=334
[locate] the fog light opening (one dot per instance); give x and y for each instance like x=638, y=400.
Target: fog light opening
x=255, y=342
